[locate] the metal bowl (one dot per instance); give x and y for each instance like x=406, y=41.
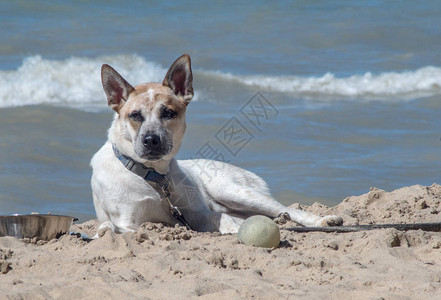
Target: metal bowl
x=42, y=227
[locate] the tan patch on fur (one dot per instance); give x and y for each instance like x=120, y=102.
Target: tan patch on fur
x=149, y=97
x=135, y=125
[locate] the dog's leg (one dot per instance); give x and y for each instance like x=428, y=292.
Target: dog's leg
x=241, y=193
x=246, y=201
x=259, y=204
x=108, y=225
x=105, y=226
x=228, y=224
x=307, y=219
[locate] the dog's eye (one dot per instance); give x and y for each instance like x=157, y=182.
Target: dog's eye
x=167, y=113
x=136, y=116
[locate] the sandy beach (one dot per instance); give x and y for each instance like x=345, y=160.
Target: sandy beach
x=158, y=262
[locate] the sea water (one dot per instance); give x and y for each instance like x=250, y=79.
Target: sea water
x=323, y=99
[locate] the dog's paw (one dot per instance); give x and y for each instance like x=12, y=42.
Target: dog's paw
x=104, y=227
x=228, y=225
x=282, y=218
x=103, y=231
x=330, y=221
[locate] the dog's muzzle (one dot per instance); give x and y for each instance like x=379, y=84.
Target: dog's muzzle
x=154, y=147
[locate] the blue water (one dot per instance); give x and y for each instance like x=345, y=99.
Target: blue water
x=356, y=87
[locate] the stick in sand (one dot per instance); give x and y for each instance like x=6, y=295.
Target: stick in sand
x=402, y=227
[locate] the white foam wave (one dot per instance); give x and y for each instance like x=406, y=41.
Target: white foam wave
x=387, y=86
x=76, y=82
x=71, y=82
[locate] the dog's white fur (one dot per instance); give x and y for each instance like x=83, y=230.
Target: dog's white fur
x=212, y=195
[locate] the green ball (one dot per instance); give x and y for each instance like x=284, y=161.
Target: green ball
x=259, y=231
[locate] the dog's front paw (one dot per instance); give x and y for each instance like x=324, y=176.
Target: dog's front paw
x=228, y=225
x=104, y=227
x=330, y=221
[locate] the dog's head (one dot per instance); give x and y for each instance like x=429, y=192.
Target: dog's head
x=151, y=116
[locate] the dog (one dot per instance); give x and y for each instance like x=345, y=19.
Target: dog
x=136, y=178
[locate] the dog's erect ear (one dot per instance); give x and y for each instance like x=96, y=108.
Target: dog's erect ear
x=117, y=89
x=180, y=79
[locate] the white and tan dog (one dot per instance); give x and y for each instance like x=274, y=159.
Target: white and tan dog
x=136, y=178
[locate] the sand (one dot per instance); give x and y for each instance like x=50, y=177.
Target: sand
x=158, y=262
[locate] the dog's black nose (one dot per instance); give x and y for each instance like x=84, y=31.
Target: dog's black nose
x=151, y=141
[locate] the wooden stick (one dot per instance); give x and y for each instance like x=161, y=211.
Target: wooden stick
x=402, y=227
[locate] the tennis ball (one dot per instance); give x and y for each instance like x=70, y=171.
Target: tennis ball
x=259, y=231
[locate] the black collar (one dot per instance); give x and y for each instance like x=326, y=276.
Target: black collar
x=149, y=174
x=141, y=170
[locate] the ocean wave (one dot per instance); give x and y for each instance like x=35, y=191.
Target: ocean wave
x=423, y=82
x=76, y=82
x=71, y=82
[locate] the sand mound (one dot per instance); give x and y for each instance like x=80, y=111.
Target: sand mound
x=158, y=262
